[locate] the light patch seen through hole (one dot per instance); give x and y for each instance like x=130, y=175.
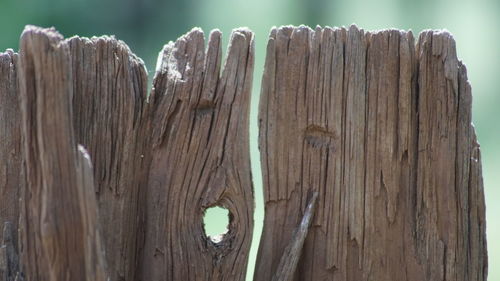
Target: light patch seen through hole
x=216, y=223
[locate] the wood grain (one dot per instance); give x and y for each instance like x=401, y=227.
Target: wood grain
x=377, y=127
x=93, y=92
x=58, y=224
x=380, y=126
x=200, y=159
x=11, y=164
x=108, y=102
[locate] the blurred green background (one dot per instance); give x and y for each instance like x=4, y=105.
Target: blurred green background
x=145, y=25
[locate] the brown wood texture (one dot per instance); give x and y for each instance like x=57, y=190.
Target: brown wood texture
x=200, y=159
x=137, y=213
x=108, y=102
x=11, y=165
x=59, y=218
x=370, y=163
x=381, y=128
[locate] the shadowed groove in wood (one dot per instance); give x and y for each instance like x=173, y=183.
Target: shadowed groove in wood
x=381, y=128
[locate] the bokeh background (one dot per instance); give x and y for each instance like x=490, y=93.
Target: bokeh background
x=146, y=25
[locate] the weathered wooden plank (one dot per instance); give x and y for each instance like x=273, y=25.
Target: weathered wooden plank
x=382, y=130
x=11, y=167
x=446, y=149
x=109, y=97
x=59, y=229
x=200, y=158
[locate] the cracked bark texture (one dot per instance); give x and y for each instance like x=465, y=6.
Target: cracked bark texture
x=11, y=158
x=381, y=127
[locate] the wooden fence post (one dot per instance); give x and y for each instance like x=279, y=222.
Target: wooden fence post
x=158, y=164
x=200, y=159
x=382, y=131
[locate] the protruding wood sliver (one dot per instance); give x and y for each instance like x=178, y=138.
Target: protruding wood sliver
x=381, y=128
x=291, y=255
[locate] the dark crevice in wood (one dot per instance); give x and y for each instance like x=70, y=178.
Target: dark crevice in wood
x=9, y=258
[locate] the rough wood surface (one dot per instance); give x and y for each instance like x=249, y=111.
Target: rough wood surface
x=381, y=128
x=188, y=144
x=59, y=228
x=109, y=96
x=376, y=126
x=11, y=165
x=200, y=158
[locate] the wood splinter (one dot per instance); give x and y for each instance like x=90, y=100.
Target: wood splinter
x=291, y=255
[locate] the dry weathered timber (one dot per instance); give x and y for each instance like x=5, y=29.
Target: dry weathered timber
x=99, y=87
x=378, y=127
x=11, y=165
x=200, y=158
x=381, y=128
x=58, y=227
x=109, y=97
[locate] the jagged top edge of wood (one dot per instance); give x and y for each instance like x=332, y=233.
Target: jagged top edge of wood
x=445, y=38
